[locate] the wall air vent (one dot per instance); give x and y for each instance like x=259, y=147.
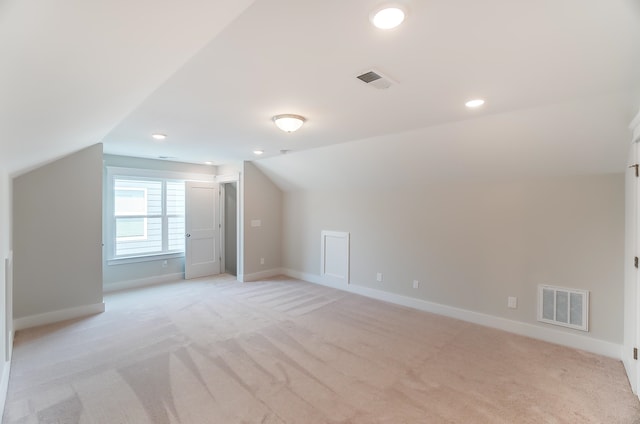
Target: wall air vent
x=376, y=79
x=565, y=307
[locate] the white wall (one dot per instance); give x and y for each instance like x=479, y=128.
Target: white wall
x=473, y=244
x=262, y=200
x=149, y=270
x=57, y=215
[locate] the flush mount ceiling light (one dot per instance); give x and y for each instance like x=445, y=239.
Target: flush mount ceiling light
x=471, y=104
x=288, y=123
x=158, y=136
x=258, y=152
x=387, y=17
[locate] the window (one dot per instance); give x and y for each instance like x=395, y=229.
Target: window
x=147, y=215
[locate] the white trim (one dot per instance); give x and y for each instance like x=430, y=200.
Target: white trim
x=144, y=258
x=345, y=238
x=4, y=386
x=142, y=282
x=228, y=178
x=634, y=126
x=8, y=306
x=57, y=316
x=260, y=275
x=577, y=341
x=156, y=173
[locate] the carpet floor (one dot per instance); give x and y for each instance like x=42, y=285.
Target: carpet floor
x=286, y=351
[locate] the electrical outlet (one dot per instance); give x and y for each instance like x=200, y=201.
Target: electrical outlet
x=164, y=263
x=512, y=302
x=416, y=284
x=261, y=261
x=379, y=277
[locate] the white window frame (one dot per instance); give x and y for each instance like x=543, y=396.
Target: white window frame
x=109, y=222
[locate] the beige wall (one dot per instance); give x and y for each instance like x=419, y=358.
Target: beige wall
x=57, y=213
x=473, y=244
x=262, y=201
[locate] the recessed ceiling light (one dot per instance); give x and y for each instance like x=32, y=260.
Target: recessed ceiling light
x=208, y=163
x=258, y=152
x=474, y=103
x=388, y=17
x=158, y=136
x=289, y=123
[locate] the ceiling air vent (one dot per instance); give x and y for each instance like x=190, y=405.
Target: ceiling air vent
x=376, y=79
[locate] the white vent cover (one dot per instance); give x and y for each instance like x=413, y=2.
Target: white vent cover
x=376, y=79
x=565, y=307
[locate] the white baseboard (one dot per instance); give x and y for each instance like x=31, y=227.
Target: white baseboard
x=260, y=275
x=4, y=386
x=589, y=344
x=142, y=282
x=57, y=316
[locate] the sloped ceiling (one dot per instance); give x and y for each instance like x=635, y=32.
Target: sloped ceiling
x=560, y=78
x=71, y=70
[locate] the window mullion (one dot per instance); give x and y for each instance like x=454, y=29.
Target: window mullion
x=165, y=220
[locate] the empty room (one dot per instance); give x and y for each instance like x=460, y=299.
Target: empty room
x=286, y=211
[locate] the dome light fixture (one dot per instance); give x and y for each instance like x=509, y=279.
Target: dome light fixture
x=387, y=17
x=472, y=104
x=159, y=136
x=288, y=122
x=258, y=152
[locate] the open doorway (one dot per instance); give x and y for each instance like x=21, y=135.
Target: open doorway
x=229, y=200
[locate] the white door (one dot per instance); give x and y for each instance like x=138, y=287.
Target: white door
x=202, y=224
x=632, y=275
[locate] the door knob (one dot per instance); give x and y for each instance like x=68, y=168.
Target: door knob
x=188, y=235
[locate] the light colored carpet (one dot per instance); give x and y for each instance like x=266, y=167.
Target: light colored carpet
x=285, y=351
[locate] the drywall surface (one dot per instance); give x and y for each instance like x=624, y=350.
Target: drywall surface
x=262, y=222
x=153, y=269
x=472, y=244
x=57, y=211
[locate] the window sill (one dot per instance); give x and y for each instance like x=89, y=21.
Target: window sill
x=148, y=258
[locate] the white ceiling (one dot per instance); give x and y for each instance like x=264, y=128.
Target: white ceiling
x=560, y=78
x=71, y=70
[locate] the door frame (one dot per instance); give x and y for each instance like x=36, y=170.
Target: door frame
x=632, y=250
x=222, y=180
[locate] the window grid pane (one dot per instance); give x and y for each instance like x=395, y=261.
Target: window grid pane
x=142, y=223
x=150, y=244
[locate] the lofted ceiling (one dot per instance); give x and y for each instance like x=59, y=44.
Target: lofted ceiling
x=560, y=79
x=71, y=70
